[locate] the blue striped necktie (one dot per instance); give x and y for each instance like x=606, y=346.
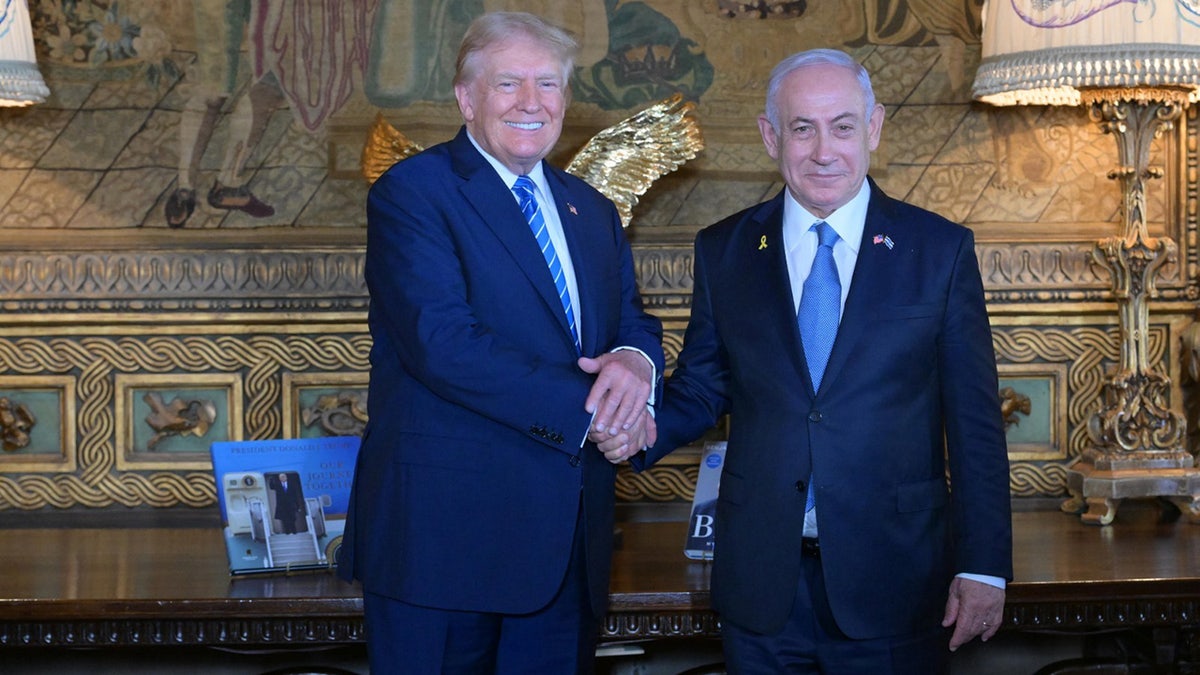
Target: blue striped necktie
x=523, y=188
x=820, y=307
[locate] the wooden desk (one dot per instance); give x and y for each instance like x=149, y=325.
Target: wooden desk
x=109, y=587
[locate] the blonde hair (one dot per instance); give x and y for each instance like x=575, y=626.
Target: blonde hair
x=496, y=28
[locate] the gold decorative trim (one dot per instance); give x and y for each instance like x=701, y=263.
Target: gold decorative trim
x=206, y=280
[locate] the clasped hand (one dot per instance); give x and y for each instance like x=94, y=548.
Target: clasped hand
x=621, y=423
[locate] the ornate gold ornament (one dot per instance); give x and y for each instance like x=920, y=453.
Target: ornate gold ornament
x=1011, y=403
x=341, y=414
x=622, y=161
x=385, y=146
x=178, y=418
x=16, y=421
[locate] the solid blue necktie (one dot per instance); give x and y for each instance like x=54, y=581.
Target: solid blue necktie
x=820, y=307
x=523, y=188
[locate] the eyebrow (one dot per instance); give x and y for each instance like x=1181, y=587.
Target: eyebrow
x=510, y=75
x=838, y=118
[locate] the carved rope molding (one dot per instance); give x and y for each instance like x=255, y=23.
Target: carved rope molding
x=259, y=361
x=1087, y=352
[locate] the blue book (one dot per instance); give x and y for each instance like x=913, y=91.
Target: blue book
x=283, y=502
x=699, y=544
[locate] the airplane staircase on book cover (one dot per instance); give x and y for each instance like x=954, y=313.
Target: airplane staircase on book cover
x=289, y=549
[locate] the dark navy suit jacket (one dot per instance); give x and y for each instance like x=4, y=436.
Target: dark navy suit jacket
x=470, y=476
x=911, y=384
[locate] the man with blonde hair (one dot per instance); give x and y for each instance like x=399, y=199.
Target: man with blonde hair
x=506, y=328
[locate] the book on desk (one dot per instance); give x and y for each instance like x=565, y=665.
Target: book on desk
x=283, y=502
x=699, y=545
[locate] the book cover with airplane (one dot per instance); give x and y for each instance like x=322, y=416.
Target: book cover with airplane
x=283, y=502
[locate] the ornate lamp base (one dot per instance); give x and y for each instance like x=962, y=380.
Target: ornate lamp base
x=1137, y=440
x=1098, y=483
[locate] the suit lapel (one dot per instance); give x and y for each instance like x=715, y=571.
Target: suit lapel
x=499, y=212
x=866, y=287
x=768, y=285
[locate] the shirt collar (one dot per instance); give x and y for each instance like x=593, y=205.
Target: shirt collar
x=849, y=221
x=537, y=175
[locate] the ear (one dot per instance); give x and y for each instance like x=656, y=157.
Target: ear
x=769, y=137
x=875, y=127
x=463, y=95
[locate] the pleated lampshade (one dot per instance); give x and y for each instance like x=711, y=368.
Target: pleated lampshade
x=21, y=82
x=1059, y=52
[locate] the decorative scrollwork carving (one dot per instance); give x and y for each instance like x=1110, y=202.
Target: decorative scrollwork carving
x=341, y=414
x=1011, y=403
x=16, y=421
x=177, y=418
x=1086, y=351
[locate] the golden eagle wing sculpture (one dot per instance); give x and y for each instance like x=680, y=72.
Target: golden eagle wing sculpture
x=622, y=161
x=385, y=146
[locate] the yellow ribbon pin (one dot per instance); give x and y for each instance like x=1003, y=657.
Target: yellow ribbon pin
x=762, y=243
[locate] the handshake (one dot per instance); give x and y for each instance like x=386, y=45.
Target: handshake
x=620, y=446
x=622, y=423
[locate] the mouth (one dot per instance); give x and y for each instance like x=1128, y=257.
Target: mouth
x=824, y=177
x=526, y=126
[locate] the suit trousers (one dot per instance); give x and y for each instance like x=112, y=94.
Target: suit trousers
x=404, y=639
x=811, y=642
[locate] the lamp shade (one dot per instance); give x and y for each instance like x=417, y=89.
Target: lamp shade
x=1046, y=51
x=21, y=83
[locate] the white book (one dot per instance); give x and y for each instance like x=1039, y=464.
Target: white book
x=699, y=544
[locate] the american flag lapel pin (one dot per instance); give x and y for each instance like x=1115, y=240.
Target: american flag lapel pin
x=883, y=239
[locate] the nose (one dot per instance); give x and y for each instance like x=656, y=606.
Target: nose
x=527, y=97
x=823, y=149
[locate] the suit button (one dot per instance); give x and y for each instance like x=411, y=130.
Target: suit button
x=575, y=460
x=814, y=416
x=801, y=486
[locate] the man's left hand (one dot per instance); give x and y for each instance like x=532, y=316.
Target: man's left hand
x=619, y=394
x=974, y=609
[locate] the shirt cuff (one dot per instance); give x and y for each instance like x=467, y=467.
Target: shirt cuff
x=653, y=369
x=998, y=582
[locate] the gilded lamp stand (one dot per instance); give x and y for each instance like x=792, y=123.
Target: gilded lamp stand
x=1137, y=442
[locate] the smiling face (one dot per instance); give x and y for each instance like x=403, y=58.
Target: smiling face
x=514, y=101
x=825, y=138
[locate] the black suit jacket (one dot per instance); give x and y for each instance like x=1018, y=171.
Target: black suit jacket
x=911, y=384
